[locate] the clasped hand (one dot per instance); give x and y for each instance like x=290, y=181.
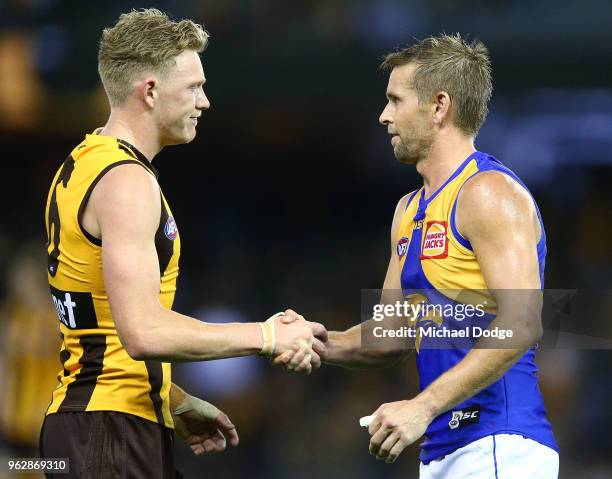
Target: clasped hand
x=299, y=343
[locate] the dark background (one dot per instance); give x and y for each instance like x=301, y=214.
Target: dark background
x=286, y=196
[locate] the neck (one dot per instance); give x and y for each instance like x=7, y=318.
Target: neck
x=134, y=129
x=444, y=157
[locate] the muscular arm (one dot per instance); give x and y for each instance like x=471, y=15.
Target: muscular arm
x=492, y=211
x=344, y=348
x=124, y=209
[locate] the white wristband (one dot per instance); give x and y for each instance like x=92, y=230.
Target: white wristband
x=268, y=333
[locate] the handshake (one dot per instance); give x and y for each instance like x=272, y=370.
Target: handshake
x=292, y=342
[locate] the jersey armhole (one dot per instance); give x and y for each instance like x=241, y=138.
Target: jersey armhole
x=458, y=236
x=88, y=236
x=411, y=197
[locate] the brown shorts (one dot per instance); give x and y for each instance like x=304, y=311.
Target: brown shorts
x=108, y=444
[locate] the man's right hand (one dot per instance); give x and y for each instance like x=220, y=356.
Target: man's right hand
x=304, y=340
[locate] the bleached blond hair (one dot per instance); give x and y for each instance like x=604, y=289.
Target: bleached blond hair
x=142, y=41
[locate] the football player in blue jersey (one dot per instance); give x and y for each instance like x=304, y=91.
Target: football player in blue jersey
x=472, y=226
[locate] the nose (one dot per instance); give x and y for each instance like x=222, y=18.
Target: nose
x=385, y=116
x=202, y=102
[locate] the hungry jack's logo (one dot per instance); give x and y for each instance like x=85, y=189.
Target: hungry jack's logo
x=435, y=241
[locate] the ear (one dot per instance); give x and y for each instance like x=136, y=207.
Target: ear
x=442, y=108
x=148, y=91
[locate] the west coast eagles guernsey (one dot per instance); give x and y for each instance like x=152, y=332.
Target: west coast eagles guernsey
x=97, y=373
x=435, y=260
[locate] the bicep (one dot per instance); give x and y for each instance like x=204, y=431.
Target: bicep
x=498, y=218
x=127, y=207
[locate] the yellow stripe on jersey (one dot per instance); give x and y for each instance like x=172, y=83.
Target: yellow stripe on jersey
x=97, y=373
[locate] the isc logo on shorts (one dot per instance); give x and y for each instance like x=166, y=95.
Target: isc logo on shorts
x=170, y=229
x=402, y=246
x=435, y=240
x=470, y=415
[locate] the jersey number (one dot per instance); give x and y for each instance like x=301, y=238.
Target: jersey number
x=53, y=231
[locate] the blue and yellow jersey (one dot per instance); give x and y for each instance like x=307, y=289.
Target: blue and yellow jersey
x=438, y=262
x=97, y=374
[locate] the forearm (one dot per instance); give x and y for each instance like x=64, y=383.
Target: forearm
x=172, y=337
x=476, y=371
x=345, y=349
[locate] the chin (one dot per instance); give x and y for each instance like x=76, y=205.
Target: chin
x=183, y=139
x=406, y=160
x=404, y=156
x=190, y=137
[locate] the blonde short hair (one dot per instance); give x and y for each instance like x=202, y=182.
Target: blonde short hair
x=143, y=40
x=452, y=64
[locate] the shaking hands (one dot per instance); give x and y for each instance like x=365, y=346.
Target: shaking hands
x=291, y=341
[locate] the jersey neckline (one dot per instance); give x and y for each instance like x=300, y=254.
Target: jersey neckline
x=425, y=201
x=132, y=150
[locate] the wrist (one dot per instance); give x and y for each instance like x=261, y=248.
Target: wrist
x=428, y=403
x=268, y=335
x=186, y=405
x=334, y=348
x=199, y=407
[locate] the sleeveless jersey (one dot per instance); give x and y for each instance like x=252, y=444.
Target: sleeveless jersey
x=438, y=262
x=97, y=373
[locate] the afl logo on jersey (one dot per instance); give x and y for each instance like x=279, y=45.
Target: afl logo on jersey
x=402, y=246
x=170, y=229
x=435, y=242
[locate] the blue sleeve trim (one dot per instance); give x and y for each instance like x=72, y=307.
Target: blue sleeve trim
x=464, y=242
x=412, y=195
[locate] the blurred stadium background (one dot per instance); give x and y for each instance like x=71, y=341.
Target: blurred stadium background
x=285, y=200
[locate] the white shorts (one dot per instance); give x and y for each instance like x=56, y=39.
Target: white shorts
x=501, y=456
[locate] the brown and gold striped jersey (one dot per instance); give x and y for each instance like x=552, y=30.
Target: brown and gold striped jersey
x=97, y=373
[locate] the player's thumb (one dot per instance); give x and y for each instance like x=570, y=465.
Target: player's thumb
x=288, y=318
x=318, y=330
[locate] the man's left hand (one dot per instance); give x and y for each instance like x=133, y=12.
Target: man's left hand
x=205, y=428
x=397, y=425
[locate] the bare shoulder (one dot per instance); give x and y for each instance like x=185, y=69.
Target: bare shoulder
x=401, y=205
x=127, y=194
x=493, y=200
x=399, y=211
